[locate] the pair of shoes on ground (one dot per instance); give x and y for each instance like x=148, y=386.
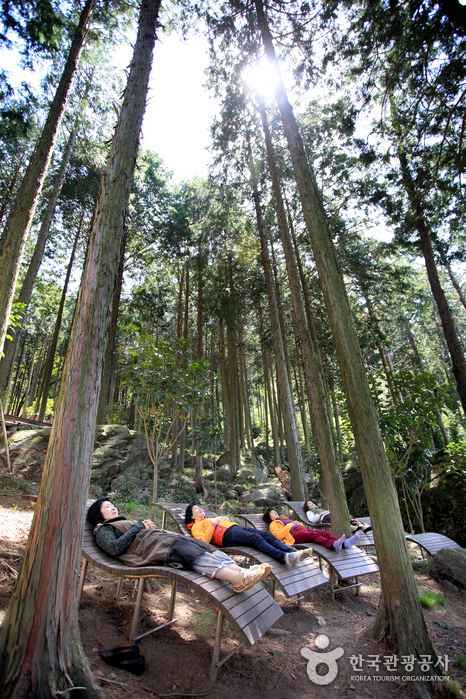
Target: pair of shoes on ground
x=254, y=576
x=125, y=658
x=293, y=557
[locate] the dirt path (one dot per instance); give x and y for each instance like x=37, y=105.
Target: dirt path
x=178, y=658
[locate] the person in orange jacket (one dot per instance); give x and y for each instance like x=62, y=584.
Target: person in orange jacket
x=221, y=532
x=292, y=532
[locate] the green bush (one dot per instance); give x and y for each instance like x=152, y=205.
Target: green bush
x=429, y=599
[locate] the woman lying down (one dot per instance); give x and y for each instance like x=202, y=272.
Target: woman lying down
x=142, y=543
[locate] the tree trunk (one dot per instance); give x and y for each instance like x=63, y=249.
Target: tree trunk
x=400, y=614
x=40, y=649
x=53, y=344
x=19, y=221
x=295, y=459
x=455, y=348
x=6, y=364
x=268, y=395
x=225, y=386
x=245, y=394
x=233, y=407
x=110, y=355
x=184, y=432
x=313, y=372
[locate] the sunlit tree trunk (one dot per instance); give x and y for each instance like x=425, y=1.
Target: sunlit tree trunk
x=399, y=615
x=40, y=649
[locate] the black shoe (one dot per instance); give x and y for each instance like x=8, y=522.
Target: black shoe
x=136, y=666
x=115, y=656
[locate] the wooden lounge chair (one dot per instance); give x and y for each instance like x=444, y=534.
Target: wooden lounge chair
x=348, y=563
x=428, y=541
x=431, y=543
x=294, y=581
x=251, y=613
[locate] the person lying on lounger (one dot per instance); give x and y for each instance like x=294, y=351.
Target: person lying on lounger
x=142, y=544
x=317, y=515
x=221, y=532
x=294, y=533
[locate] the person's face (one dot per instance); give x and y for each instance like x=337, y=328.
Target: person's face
x=198, y=512
x=108, y=510
x=274, y=514
x=310, y=503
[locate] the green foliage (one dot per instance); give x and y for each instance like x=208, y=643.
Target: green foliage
x=176, y=489
x=116, y=414
x=16, y=315
x=455, y=459
x=166, y=385
x=208, y=430
x=125, y=490
x=256, y=431
x=429, y=599
x=460, y=661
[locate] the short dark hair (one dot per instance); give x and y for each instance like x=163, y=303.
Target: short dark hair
x=94, y=514
x=266, y=516
x=306, y=507
x=188, y=515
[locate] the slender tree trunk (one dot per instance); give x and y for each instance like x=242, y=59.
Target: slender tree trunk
x=233, y=407
x=455, y=348
x=225, y=385
x=40, y=648
x=268, y=394
x=19, y=221
x=6, y=364
x=400, y=614
x=184, y=433
x=53, y=344
x=199, y=353
x=313, y=372
x=295, y=459
x=176, y=422
x=245, y=395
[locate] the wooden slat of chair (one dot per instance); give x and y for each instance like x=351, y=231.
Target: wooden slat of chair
x=252, y=612
x=293, y=581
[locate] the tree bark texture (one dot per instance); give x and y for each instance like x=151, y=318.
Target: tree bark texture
x=313, y=371
x=400, y=614
x=110, y=354
x=295, y=459
x=40, y=650
x=19, y=221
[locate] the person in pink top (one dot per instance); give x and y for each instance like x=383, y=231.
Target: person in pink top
x=292, y=532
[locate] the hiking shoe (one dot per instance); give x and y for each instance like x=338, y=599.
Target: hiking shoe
x=306, y=553
x=254, y=577
x=292, y=557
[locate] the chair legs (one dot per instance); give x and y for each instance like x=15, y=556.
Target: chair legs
x=82, y=578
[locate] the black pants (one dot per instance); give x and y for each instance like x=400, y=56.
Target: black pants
x=185, y=551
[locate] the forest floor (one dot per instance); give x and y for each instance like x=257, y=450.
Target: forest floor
x=178, y=658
